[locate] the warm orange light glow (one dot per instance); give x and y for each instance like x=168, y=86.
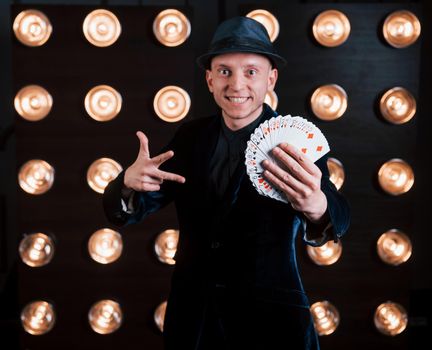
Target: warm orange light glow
x=101, y=28
x=101, y=172
x=159, y=315
x=36, y=249
x=171, y=103
x=271, y=99
x=325, y=316
x=268, y=20
x=329, y=102
x=394, y=247
x=32, y=27
x=103, y=103
x=326, y=254
x=396, y=177
x=331, y=28
x=390, y=318
x=105, y=316
x=401, y=29
x=33, y=102
x=398, y=106
x=166, y=246
x=38, y=317
x=337, y=172
x=105, y=246
x=171, y=27
x=36, y=176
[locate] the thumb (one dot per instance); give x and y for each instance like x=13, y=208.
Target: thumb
x=144, y=147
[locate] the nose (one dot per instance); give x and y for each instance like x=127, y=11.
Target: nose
x=236, y=81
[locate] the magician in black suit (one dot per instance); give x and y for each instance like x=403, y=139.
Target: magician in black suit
x=236, y=283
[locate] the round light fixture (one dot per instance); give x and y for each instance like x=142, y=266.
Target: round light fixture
x=401, y=28
x=329, y=102
x=101, y=28
x=36, y=176
x=32, y=27
x=331, y=28
x=171, y=103
x=171, y=27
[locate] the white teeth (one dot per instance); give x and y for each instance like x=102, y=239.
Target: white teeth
x=238, y=99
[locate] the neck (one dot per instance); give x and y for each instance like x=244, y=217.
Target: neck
x=239, y=123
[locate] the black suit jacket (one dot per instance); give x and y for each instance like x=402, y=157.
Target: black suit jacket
x=243, y=244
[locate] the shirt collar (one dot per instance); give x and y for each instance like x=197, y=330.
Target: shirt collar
x=266, y=113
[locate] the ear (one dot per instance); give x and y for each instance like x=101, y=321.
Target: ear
x=209, y=79
x=272, y=78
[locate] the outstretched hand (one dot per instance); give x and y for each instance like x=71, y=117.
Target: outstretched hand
x=144, y=174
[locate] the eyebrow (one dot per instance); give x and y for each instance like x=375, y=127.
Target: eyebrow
x=251, y=65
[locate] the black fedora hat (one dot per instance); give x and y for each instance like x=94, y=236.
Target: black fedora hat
x=241, y=34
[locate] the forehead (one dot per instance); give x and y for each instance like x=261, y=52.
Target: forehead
x=240, y=59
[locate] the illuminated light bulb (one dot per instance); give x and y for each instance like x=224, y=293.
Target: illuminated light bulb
x=396, y=177
x=103, y=103
x=268, y=20
x=327, y=254
x=38, y=317
x=159, y=315
x=394, y=247
x=271, y=99
x=36, y=176
x=397, y=105
x=105, y=316
x=325, y=316
x=171, y=27
x=166, y=246
x=337, y=172
x=171, y=103
x=329, y=102
x=105, y=246
x=331, y=28
x=32, y=27
x=36, y=249
x=401, y=29
x=33, y=103
x=101, y=28
x=390, y=318
x=101, y=172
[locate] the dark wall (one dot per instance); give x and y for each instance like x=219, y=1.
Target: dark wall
x=137, y=66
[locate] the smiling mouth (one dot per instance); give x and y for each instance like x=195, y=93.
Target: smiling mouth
x=237, y=99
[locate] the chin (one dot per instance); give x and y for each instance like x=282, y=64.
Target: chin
x=237, y=116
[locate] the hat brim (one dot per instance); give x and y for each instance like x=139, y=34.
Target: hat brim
x=204, y=60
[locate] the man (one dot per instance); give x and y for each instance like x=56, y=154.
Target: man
x=236, y=284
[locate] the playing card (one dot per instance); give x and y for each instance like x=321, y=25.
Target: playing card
x=295, y=130
x=264, y=130
x=307, y=138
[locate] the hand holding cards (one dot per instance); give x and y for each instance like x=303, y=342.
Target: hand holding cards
x=297, y=131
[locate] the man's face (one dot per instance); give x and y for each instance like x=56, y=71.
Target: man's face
x=239, y=83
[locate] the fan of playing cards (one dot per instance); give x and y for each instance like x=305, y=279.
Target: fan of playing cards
x=296, y=131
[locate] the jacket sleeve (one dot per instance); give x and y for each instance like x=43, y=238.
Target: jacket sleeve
x=338, y=210
x=144, y=203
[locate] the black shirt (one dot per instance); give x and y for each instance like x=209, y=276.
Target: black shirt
x=229, y=152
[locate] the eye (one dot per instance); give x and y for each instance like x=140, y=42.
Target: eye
x=224, y=71
x=252, y=72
